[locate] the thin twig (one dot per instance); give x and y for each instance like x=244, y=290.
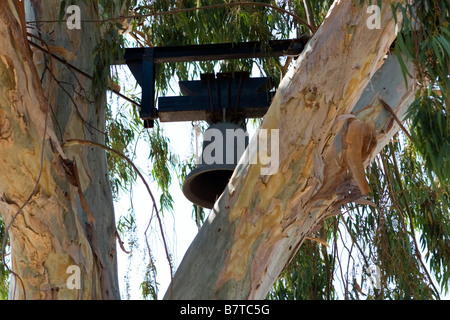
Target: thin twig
x=150, y=253
x=71, y=66
x=344, y=280
x=402, y=215
x=356, y=242
x=72, y=142
x=50, y=70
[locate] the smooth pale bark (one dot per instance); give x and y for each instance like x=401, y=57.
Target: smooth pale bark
x=53, y=233
x=259, y=222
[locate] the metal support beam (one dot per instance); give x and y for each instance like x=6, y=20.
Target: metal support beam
x=228, y=97
x=148, y=91
x=141, y=62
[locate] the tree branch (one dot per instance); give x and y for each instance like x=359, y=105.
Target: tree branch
x=408, y=211
x=73, y=142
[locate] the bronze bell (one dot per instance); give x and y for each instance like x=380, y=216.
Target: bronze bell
x=223, y=145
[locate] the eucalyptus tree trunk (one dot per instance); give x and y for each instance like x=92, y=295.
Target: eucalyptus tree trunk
x=58, y=200
x=260, y=221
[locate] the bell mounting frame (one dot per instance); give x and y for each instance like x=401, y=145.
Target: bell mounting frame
x=197, y=104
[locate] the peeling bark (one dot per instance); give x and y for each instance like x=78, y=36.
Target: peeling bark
x=259, y=222
x=54, y=230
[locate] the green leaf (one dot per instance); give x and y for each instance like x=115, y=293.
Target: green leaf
x=62, y=10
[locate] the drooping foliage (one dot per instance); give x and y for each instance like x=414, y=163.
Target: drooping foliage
x=403, y=232
x=4, y=273
x=396, y=247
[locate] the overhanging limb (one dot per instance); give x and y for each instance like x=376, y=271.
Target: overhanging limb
x=142, y=61
x=259, y=222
